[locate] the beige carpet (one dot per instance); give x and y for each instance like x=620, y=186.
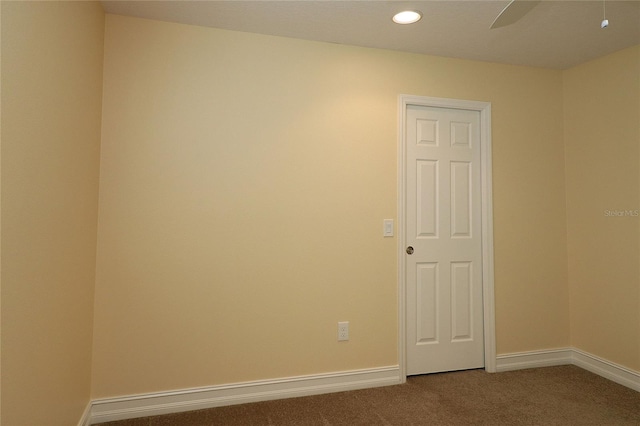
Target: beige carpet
x=565, y=395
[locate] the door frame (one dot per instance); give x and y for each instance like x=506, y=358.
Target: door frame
x=484, y=108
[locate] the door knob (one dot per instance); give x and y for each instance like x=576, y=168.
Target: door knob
x=409, y=250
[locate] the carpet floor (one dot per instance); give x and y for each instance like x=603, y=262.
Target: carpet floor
x=563, y=395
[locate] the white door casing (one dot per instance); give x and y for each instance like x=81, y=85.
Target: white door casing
x=446, y=310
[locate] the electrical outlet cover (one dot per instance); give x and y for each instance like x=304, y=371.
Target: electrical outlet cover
x=343, y=331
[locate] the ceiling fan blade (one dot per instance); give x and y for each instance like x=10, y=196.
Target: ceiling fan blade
x=515, y=10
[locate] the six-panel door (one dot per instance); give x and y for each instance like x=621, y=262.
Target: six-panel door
x=443, y=225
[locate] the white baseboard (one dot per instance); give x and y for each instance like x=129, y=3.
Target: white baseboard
x=572, y=356
x=152, y=404
x=110, y=409
x=607, y=369
x=522, y=360
x=85, y=420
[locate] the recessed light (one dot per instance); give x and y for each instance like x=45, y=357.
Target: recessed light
x=407, y=17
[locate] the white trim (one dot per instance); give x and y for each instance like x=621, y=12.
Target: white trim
x=152, y=404
x=402, y=232
x=488, y=294
x=85, y=420
x=607, y=369
x=484, y=108
x=571, y=356
x=534, y=359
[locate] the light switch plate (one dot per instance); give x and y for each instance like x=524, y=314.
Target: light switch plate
x=388, y=228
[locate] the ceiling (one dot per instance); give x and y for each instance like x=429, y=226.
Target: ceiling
x=555, y=34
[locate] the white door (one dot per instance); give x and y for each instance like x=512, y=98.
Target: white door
x=444, y=323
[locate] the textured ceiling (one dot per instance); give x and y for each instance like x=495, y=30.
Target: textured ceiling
x=555, y=34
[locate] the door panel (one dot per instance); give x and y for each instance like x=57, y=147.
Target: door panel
x=426, y=297
x=461, y=186
x=443, y=223
x=427, y=203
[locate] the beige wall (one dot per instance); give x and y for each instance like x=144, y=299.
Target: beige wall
x=602, y=137
x=51, y=111
x=244, y=180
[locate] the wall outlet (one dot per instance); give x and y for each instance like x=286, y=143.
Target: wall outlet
x=343, y=331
